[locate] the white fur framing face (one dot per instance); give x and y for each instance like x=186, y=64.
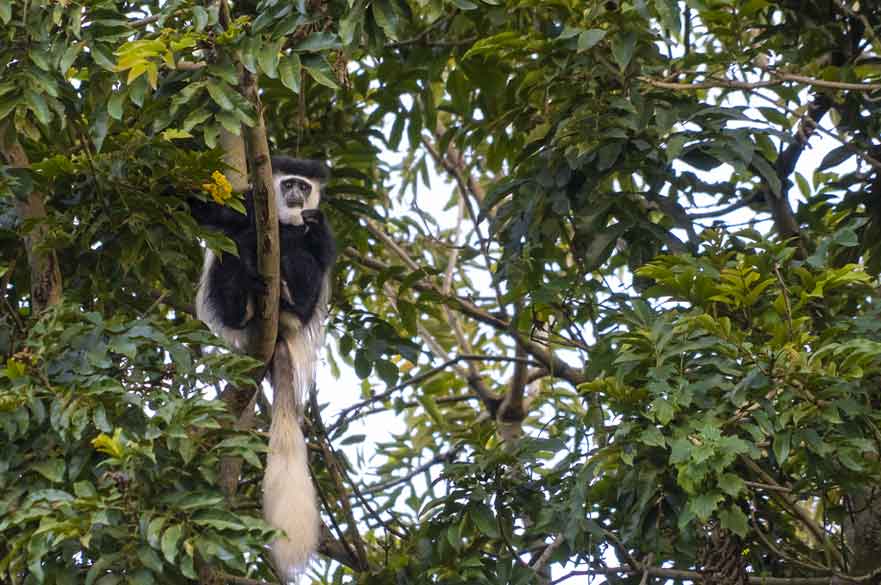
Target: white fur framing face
x=291, y=197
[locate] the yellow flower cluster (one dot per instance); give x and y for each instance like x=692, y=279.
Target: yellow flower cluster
x=220, y=190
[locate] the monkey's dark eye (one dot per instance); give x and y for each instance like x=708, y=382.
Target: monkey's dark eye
x=288, y=184
x=305, y=187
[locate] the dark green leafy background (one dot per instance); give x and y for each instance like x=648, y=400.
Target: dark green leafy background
x=610, y=270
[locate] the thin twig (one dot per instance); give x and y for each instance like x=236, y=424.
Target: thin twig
x=774, y=549
x=697, y=577
x=869, y=29
x=548, y=359
x=545, y=557
x=332, y=467
x=344, y=414
x=384, y=485
x=767, y=486
x=789, y=504
x=777, y=78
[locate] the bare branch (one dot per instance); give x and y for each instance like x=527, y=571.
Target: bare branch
x=146, y=21
x=511, y=412
x=555, y=365
x=336, y=550
x=869, y=29
x=334, y=469
x=190, y=65
x=776, y=78
x=545, y=556
x=475, y=381
x=797, y=511
x=695, y=576
x=445, y=458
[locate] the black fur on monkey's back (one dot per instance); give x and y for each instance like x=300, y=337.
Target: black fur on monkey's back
x=306, y=254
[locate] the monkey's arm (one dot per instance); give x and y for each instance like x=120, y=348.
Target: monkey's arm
x=226, y=219
x=227, y=297
x=318, y=239
x=234, y=282
x=302, y=279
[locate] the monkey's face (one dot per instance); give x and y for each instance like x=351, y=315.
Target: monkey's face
x=293, y=194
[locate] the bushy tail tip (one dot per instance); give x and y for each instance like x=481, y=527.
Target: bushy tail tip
x=289, y=500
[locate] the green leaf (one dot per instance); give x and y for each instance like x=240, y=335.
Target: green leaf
x=101, y=56
x=318, y=41
x=38, y=106
x=769, y=174
x=353, y=440
x=99, y=567
x=267, y=58
x=218, y=519
x=680, y=450
x=99, y=127
x=40, y=58
x=781, y=446
x=115, y=104
x=218, y=93
x=195, y=501
x=149, y=558
x=464, y=4
x=363, y=366
x=169, y=542
x=52, y=469
x=704, y=505
x=37, y=548
x=139, y=577
x=431, y=408
x=731, y=484
x=154, y=531
x=226, y=72
x=835, y=157
x=7, y=105
x=623, y=46
x=492, y=45
x=484, y=519
x=138, y=91
x=229, y=121
x=662, y=410
x=653, y=437
x=195, y=118
x=589, y=38
x=200, y=18
x=735, y=520
x=5, y=11
x=289, y=72
x=319, y=69
x=388, y=372
x=386, y=18
x=69, y=57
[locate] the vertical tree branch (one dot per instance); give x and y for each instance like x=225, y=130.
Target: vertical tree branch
x=473, y=371
x=45, y=272
x=239, y=400
x=235, y=156
x=261, y=342
x=233, y=145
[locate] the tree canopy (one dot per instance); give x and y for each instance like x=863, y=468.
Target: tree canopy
x=614, y=264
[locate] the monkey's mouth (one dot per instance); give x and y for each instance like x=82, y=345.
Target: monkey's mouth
x=294, y=202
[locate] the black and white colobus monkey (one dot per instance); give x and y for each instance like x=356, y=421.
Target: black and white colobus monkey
x=226, y=303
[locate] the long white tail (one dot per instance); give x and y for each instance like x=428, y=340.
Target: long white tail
x=289, y=501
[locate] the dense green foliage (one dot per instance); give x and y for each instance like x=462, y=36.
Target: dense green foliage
x=641, y=335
